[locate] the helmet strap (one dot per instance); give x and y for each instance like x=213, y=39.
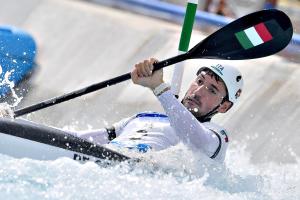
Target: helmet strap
x=207, y=117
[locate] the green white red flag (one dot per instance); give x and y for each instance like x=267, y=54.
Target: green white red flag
x=254, y=36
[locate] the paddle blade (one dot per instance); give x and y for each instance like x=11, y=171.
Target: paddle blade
x=256, y=35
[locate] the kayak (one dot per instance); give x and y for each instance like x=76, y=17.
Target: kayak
x=17, y=54
x=26, y=139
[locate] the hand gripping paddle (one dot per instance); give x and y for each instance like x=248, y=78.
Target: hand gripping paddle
x=256, y=35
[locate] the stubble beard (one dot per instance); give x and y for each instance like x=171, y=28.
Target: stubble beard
x=194, y=109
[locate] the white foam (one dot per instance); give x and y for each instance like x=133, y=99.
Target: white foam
x=172, y=174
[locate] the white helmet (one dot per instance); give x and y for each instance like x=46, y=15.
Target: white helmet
x=232, y=78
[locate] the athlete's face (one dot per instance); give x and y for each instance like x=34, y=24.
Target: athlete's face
x=204, y=94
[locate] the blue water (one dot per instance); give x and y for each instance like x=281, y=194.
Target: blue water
x=172, y=174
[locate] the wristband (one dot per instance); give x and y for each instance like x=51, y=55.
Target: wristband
x=161, y=89
x=111, y=132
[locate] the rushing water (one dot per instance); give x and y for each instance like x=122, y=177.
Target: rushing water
x=172, y=174
x=6, y=82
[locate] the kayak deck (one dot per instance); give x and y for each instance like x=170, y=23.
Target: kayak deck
x=21, y=138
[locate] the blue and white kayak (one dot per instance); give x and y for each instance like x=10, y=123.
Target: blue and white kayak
x=25, y=139
x=17, y=54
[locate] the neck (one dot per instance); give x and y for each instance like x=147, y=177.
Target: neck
x=203, y=119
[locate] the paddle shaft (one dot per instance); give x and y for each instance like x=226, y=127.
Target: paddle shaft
x=94, y=87
x=222, y=44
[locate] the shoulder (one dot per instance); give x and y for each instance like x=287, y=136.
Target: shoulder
x=222, y=136
x=217, y=129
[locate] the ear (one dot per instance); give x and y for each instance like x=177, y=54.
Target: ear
x=224, y=107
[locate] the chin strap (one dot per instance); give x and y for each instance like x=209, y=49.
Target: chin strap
x=207, y=117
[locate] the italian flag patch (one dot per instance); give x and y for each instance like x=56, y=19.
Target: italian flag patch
x=254, y=36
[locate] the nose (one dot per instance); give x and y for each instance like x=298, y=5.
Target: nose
x=200, y=90
x=198, y=93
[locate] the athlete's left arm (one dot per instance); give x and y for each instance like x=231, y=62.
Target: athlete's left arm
x=103, y=135
x=187, y=127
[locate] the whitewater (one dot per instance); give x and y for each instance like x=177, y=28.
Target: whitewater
x=179, y=175
x=80, y=43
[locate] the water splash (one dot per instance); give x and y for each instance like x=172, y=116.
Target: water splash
x=175, y=173
x=7, y=82
x=6, y=110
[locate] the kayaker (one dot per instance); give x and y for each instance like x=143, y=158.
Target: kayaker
x=215, y=89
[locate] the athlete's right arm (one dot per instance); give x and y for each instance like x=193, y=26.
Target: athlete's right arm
x=187, y=127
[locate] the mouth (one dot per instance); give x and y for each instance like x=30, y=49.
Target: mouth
x=193, y=101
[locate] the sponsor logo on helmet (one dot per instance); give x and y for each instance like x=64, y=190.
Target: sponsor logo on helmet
x=238, y=78
x=219, y=68
x=238, y=93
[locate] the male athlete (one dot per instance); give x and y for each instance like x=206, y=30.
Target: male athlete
x=215, y=89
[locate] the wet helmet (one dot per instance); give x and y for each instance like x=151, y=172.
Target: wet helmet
x=232, y=78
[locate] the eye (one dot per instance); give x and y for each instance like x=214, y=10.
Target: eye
x=200, y=81
x=212, y=91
